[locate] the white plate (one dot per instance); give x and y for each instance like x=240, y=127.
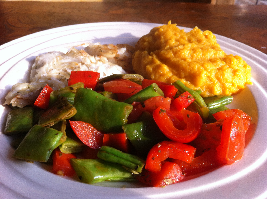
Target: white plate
x=244, y=179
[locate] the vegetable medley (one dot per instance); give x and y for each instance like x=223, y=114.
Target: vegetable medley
x=127, y=128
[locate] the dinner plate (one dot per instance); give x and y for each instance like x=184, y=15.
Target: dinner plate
x=244, y=179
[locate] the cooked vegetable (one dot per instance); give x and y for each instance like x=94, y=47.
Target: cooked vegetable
x=118, y=140
x=38, y=144
x=87, y=134
x=170, y=173
x=67, y=92
x=105, y=114
x=130, y=161
x=168, y=90
x=144, y=134
x=95, y=170
x=218, y=102
x=234, y=128
x=122, y=86
x=122, y=131
x=60, y=110
x=193, y=122
x=168, y=149
x=42, y=100
x=201, y=164
x=71, y=146
x=183, y=101
x=19, y=120
x=132, y=77
x=151, y=91
x=89, y=78
x=199, y=101
x=61, y=164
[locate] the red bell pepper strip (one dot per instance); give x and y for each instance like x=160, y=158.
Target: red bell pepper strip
x=137, y=111
x=230, y=113
x=154, y=102
x=89, y=78
x=61, y=163
x=87, y=134
x=233, y=137
x=203, y=163
x=118, y=141
x=42, y=100
x=232, y=143
x=170, y=174
x=209, y=137
x=183, y=101
x=168, y=90
x=168, y=149
x=192, y=120
x=122, y=86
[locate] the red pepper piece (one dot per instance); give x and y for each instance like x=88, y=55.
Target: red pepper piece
x=61, y=163
x=168, y=149
x=118, y=141
x=168, y=90
x=42, y=100
x=89, y=78
x=183, y=101
x=137, y=111
x=232, y=143
x=209, y=137
x=233, y=138
x=87, y=134
x=204, y=163
x=230, y=113
x=170, y=174
x=154, y=102
x=192, y=120
x=122, y=86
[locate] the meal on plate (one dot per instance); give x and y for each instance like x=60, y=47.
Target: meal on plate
x=155, y=114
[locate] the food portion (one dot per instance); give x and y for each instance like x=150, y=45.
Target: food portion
x=54, y=68
x=168, y=54
x=95, y=120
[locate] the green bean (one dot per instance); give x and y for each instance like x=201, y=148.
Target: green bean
x=199, y=101
x=222, y=101
x=130, y=161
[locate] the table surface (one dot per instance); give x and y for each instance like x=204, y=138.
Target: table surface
x=243, y=23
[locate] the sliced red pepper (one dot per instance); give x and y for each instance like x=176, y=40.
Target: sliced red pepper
x=118, y=141
x=183, y=101
x=87, y=134
x=168, y=149
x=89, y=153
x=42, y=100
x=137, y=111
x=61, y=163
x=230, y=113
x=233, y=138
x=170, y=174
x=168, y=90
x=232, y=143
x=192, y=120
x=204, y=163
x=154, y=102
x=122, y=86
x=209, y=137
x=89, y=78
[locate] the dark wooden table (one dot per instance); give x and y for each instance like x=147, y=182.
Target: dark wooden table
x=246, y=24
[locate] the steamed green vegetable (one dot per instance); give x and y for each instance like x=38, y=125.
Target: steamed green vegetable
x=38, y=144
x=104, y=114
x=19, y=120
x=95, y=170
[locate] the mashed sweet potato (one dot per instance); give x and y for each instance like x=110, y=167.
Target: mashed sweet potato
x=168, y=53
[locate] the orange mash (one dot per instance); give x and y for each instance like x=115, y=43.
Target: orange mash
x=167, y=54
